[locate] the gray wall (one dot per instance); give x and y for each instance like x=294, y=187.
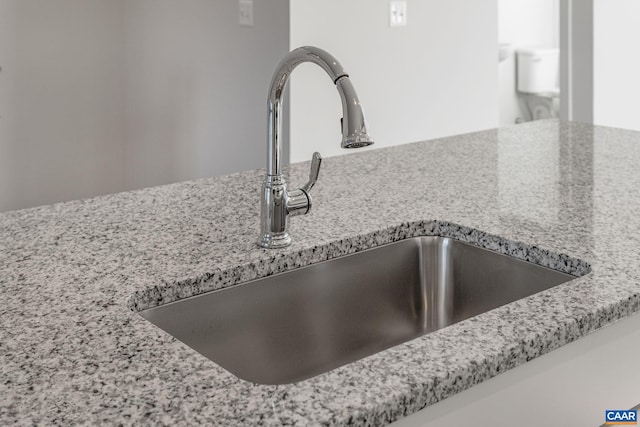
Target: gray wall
x=100, y=96
x=196, y=87
x=7, y=86
x=61, y=134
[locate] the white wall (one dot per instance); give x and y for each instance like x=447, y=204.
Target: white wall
x=529, y=23
x=196, y=87
x=435, y=77
x=616, y=63
x=509, y=109
x=61, y=134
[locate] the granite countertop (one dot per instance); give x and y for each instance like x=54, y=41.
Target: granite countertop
x=73, y=351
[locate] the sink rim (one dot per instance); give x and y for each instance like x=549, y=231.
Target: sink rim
x=296, y=257
x=220, y=324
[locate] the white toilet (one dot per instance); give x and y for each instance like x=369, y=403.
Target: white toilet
x=538, y=83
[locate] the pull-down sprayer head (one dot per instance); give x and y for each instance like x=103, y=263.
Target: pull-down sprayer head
x=354, y=128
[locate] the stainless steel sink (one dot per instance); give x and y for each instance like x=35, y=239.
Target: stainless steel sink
x=295, y=325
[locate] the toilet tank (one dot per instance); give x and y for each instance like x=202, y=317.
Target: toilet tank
x=538, y=71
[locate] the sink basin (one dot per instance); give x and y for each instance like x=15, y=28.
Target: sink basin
x=298, y=324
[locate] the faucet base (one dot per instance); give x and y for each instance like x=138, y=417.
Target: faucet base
x=274, y=240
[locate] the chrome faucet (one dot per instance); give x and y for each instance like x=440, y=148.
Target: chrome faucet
x=277, y=202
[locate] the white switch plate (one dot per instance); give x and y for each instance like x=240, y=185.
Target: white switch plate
x=245, y=13
x=397, y=13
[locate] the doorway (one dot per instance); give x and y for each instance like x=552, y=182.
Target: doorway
x=528, y=60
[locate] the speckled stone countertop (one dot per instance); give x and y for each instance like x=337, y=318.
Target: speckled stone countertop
x=72, y=350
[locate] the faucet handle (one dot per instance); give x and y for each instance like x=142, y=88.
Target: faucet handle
x=316, y=160
x=299, y=201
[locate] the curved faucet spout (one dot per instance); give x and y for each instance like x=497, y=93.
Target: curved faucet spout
x=354, y=129
x=278, y=203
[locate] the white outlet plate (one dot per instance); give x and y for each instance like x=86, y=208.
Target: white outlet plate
x=397, y=13
x=245, y=13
